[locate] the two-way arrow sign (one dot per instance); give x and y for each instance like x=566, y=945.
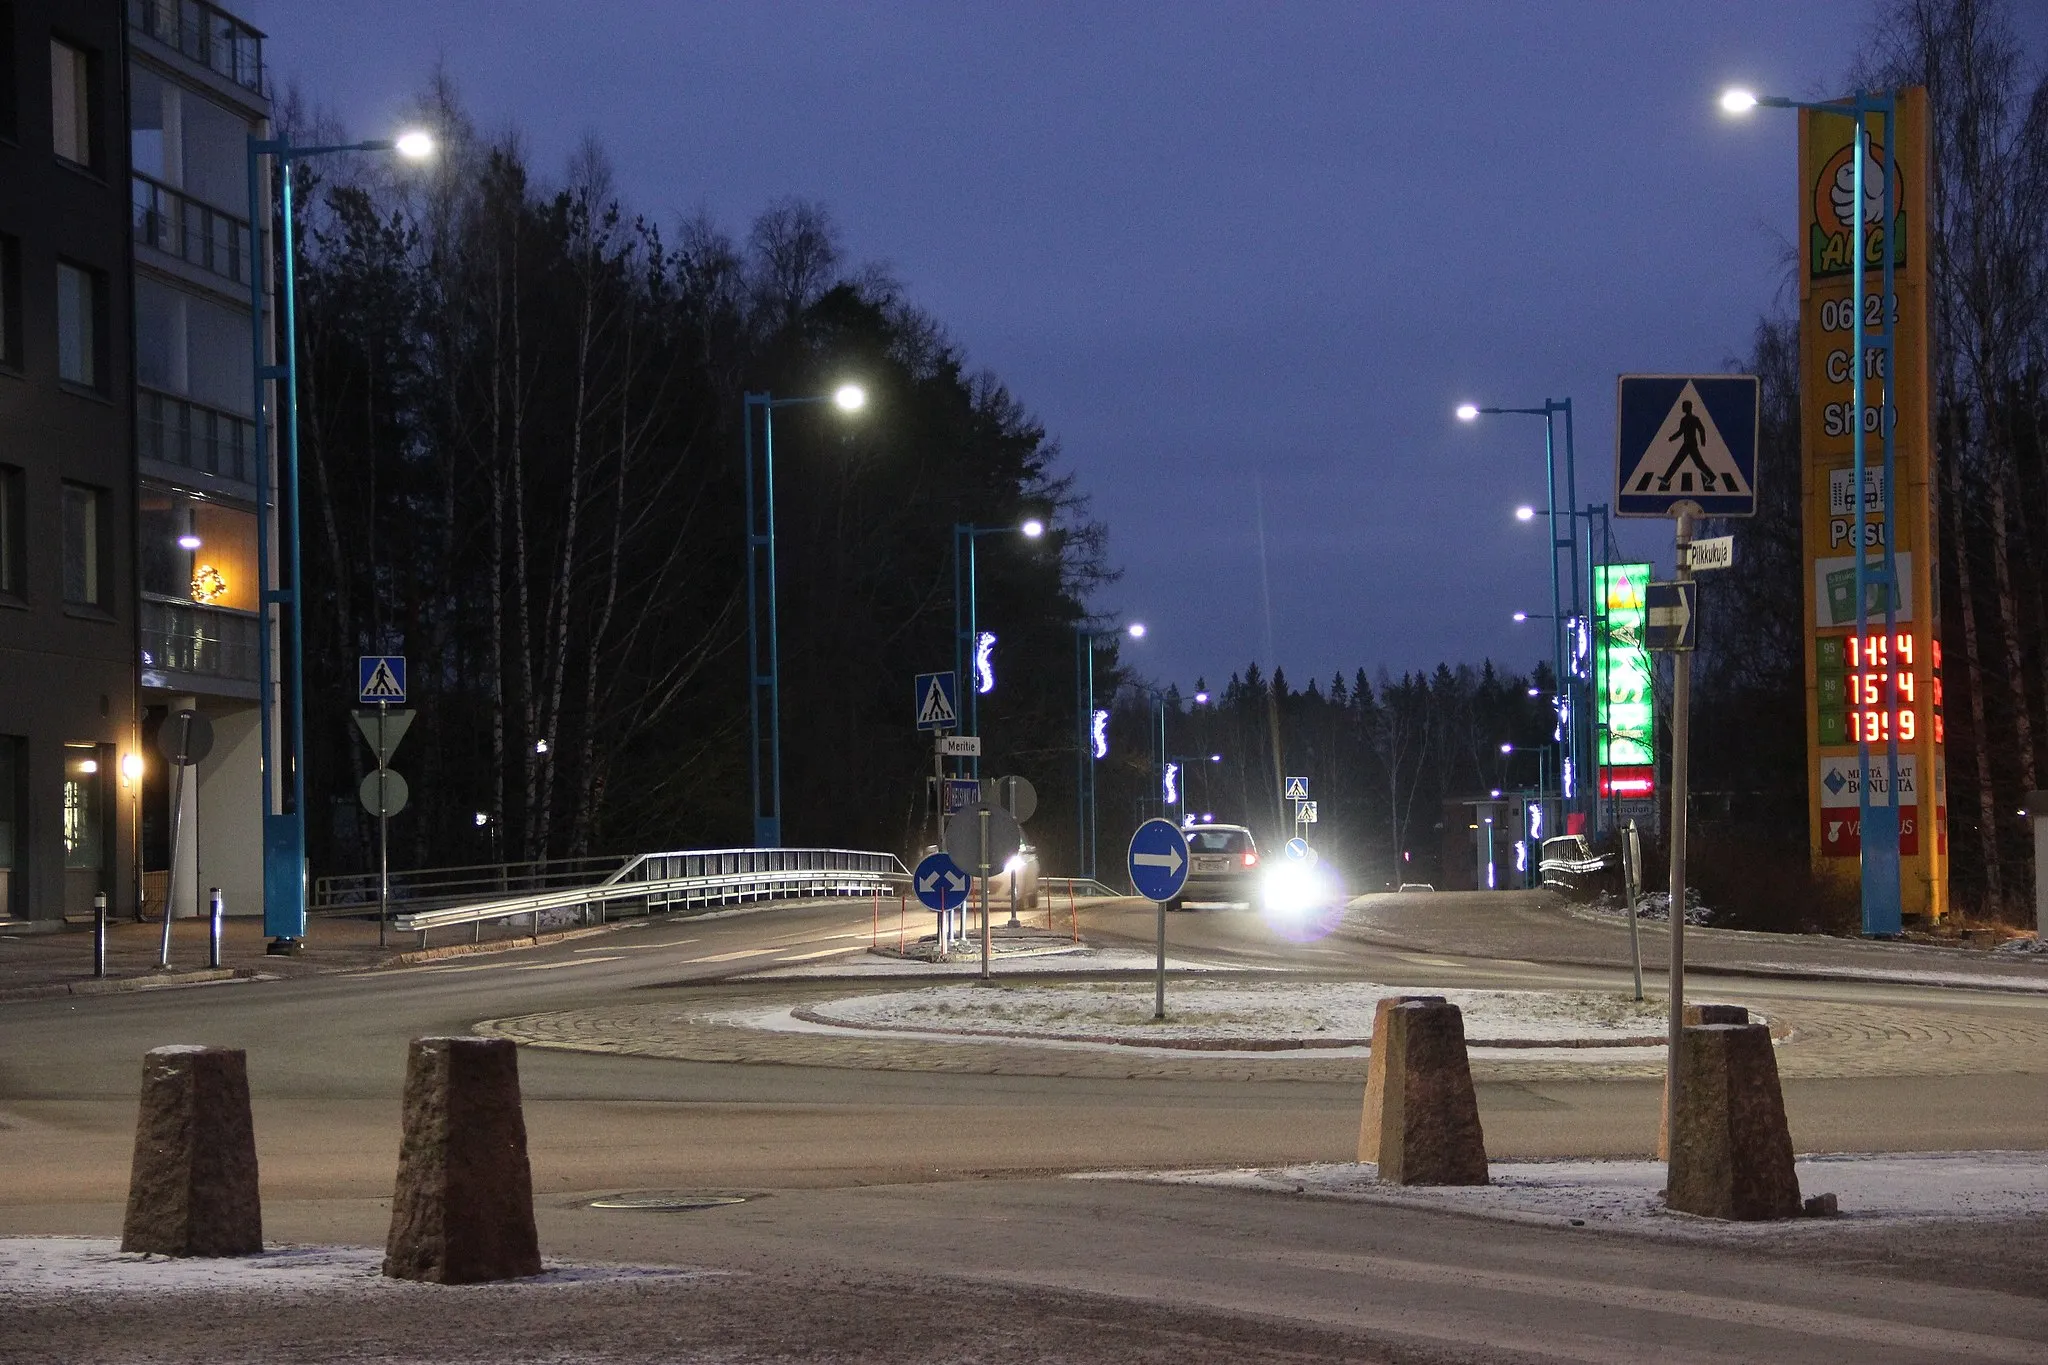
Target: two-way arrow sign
x=1672, y=615
x=952, y=881
x=939, y=883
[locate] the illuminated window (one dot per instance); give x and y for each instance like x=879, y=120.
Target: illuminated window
x=194, y=550
x=85, y=540
x=85, y=808
x=71, y=103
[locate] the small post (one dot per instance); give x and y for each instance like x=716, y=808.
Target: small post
x=1631, y=873
x=984, y=892
x=1159, y=977
x=1681, y=733
x=214, y=910
x=99, y=933
x=383, y=831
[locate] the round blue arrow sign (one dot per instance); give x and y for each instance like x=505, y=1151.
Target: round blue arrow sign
x=1159, y=860
x=939, y=883
x=1297, y=849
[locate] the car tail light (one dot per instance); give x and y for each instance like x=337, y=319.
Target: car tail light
x=1251, y=860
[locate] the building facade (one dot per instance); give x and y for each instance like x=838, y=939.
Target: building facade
x=69, y=729
x=195, y=96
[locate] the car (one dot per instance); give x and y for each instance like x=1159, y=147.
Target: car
x=1223, y=865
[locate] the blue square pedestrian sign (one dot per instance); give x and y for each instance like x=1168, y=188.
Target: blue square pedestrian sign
x=382, y=678
x=1685, y=438
x=937, y=700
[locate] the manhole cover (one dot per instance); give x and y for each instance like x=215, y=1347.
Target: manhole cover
x=667, y=1203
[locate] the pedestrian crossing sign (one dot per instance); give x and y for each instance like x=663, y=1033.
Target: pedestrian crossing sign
x=1686, y=438
x=382, y=679
x=937, y=699
x=1297, y=789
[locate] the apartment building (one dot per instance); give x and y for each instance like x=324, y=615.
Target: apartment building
x=68, y=715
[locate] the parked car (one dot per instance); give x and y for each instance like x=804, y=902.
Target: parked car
x=1223, y=865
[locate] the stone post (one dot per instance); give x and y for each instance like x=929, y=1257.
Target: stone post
x=192, y=1190
x=1421, y=1118
x=463, y=1209
x=1732, y=1154
x=1694, y=1015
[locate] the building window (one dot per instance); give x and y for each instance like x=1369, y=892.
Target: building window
x=71, y=103
x=85, y=808
x=81, y=312
x=13, y=869
x=10, y=301
x=10, y=85
x=85, y=542
x=198, y=551
x=12, y=568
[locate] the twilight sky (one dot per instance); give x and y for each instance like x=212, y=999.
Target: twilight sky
x=1224, y=251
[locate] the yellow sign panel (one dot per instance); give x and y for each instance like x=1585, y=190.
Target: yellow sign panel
x=1880, y=684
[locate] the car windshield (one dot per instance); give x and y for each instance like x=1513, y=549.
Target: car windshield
x=1216, y=841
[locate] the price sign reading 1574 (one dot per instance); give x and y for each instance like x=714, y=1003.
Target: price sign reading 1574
x=1868, y=693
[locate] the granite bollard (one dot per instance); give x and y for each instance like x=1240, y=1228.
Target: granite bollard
x=463, y=1209
x=1694, y=1016
x=192, y=1189
x=1731, y=1153
x=1421, y=1120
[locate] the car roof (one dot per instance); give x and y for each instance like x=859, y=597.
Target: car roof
x=1201, y=828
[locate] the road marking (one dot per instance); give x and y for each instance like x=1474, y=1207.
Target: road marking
x=572, y=962
x=822, y=952
x=728, y=957
x=634, y=947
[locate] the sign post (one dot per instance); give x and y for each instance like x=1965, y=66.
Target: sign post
x=384, y=792
x=941, y=887
x=1680, y=642
x=1159, y=869
x=982, y=837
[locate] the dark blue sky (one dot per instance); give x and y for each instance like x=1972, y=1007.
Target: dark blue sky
x=1217, y=248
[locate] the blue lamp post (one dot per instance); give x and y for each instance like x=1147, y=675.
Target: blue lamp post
x=1569, y=779
x=1879, y=824
x=1086, y=753
x=967, y=636
x=284, y=779
x=764, y=671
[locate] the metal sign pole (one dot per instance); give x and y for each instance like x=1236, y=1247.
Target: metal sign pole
x=1631, y=876
x=1681, y=704
x=184, y=719
x=983, y=813
x=383, y=832
x=1159, y=974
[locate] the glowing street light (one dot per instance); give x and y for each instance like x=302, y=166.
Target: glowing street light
x=414, y=144
x=850, y=397
x=1032, y=528
x=1468, y=412
x=1525, y=513
x=1136, y=630
x=1735, y=100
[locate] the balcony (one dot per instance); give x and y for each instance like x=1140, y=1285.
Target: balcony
x=207, y=34
x=196, y=233
x=192, y=641
x=176, y=431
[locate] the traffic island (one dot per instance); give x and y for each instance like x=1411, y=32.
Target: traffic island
x=192, y=1190
x=1731, y=1156
x=463, y=1209
x=1421, y=1124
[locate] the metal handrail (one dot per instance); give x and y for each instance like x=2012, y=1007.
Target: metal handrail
x=348, y=893
x=690, y=879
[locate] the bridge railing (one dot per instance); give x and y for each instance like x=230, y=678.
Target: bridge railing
x=688, y=880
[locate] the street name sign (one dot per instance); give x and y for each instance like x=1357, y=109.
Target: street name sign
x=1159, y=860
x=1673, y=618
x=937, y=701
x=939, y=883
x=1686, y=439
x=381, y=678
x=960, y=746
x=1716, y=552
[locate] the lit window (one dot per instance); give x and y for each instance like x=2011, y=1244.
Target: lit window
x=85, y=805
x=71, y=102
x=84, y=546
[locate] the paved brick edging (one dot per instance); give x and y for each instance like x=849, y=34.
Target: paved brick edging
x=124, y=985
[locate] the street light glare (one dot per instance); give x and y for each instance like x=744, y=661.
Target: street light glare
x=1468, y=412
x=1136, y=629
x=1033, y=528
x=1525, y=513
x=415, y=145
x=850, y=397
x=1521, y=616
x=1736, y=100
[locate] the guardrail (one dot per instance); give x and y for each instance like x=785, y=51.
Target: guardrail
x=668, y=883
x=429, y=888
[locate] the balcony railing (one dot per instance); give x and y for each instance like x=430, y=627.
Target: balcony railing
x=177, y=431
x=172, y=221
x=202, y=642
x=207, y=34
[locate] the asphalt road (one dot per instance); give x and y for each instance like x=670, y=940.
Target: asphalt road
x=910, y=1187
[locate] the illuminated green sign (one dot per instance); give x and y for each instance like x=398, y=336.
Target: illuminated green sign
x=1624, y=711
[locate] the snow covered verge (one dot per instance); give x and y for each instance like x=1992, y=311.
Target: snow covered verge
x=1870, y=1188
x=1222, y=1014
x=39, y=1266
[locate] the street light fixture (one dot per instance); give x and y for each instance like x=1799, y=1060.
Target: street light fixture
x=764, y=676
x=1086, y=754
x=968, y=635
x=1525, y=513
x=283, y=778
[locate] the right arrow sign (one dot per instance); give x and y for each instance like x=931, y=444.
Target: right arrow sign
x=1673, y=615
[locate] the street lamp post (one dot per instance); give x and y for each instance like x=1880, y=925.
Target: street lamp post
x=283, y=800
x=1878, y=825
x=967, y=637
x=764, y=674
x=1086, y=642
x=1569, y=779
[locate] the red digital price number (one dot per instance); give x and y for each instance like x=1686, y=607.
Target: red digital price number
x=1882, y=698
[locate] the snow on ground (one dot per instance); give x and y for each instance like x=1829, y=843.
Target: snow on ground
x=1211, y=1015
x=1907, y=976
x=71, y=1265
x=1630, y=1194
x=967, y=962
